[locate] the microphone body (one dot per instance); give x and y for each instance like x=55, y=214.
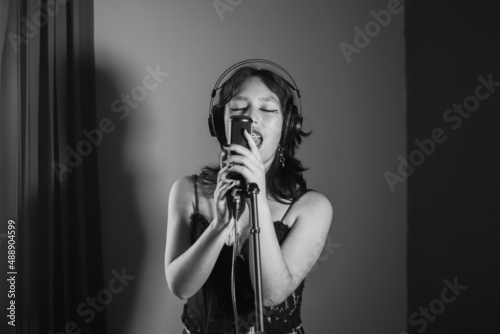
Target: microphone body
x=237, y=125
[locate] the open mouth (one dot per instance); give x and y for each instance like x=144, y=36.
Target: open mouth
x=257, y=137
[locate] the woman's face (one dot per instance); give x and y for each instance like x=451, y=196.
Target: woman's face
x=254, y=99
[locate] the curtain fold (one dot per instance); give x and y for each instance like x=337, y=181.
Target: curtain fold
x=48, y=176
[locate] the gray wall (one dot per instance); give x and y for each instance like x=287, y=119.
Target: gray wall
x=355, y=109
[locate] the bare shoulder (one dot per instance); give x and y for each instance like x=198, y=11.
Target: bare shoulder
x=180, y=208
x=313, y=206
x=314, y=199
x=185, y=184
x=181, y=200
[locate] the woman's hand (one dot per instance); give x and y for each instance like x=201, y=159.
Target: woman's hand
x=248, y=163
x=222, y=215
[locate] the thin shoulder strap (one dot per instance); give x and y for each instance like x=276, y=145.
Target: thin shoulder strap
x=286, y=212
x=291, y=204
x=195, y=183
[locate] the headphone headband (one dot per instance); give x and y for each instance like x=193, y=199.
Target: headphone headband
x=294, y=87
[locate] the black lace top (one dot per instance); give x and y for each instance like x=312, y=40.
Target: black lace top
x=210, y=310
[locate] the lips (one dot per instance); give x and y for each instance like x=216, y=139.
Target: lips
x=257, y=137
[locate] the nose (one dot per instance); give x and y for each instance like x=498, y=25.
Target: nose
x=253, y=112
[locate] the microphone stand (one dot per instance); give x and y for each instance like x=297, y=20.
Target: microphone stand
x=252, y=191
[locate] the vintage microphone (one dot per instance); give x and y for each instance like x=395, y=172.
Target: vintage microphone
x=237, y=124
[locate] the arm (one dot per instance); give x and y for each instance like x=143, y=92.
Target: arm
x=285, y=267
x=187, y=266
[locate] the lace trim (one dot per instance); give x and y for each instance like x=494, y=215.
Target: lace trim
x=278, y=319
x=201, y=218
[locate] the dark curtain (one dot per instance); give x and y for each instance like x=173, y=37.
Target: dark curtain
x=48, y=170
x=453, y=84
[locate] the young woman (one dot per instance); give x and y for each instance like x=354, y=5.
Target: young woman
x=294, y=221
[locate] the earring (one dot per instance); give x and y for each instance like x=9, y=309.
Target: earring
x=282, y=158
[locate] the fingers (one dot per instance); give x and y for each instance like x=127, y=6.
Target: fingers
x=240, y=163
x=242, y=150
x=243, y=170
x=244, y=156
x=222, y=174
x=223, y=185
x=219, y=204
x=227, y=184
x=241, y=160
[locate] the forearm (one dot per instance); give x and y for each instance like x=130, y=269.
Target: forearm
x=276, y=277
x=187, y=273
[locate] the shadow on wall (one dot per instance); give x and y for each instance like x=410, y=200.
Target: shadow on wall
x=134, y=190
x=122, y=231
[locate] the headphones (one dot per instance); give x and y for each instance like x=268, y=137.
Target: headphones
x=292, y=124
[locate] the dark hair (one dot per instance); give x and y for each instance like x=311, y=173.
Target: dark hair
x=282, y=183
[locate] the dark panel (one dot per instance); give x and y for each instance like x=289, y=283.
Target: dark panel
x=453, y=210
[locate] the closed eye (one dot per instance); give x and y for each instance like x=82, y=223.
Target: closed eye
x=262, y=109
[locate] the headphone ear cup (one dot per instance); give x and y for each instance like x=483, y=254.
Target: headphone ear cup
x=297, y=126
x=286, y=129
x=293, y=126
x=218, y=124
x=211, y=125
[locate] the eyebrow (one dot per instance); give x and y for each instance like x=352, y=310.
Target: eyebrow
x=267, y=99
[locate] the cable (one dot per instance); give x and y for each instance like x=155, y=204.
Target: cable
x=233, y=283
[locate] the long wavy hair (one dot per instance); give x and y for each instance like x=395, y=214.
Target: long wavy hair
x=283, y=184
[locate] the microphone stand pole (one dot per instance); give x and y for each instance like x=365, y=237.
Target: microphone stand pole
x=252, y=191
